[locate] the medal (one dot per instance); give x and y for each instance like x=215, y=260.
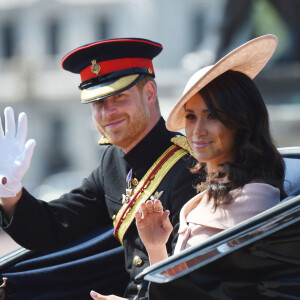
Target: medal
x=156, y=195
x=126, y=197
x=128, y=180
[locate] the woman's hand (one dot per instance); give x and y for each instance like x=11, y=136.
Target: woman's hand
x=154, y=228
x=98, y=296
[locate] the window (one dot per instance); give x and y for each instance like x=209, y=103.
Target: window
x=8, y=40
x=197, y=25
x=102, y=27
x=53, y=37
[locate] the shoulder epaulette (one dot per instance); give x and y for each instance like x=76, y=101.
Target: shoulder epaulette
x=104, y=141
x=182, y=142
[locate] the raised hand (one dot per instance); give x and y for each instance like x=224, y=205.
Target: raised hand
x=154, y=228
x=15, y=154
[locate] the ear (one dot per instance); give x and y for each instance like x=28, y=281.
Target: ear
x=150, y=93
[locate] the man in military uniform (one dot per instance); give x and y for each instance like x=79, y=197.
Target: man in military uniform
x=140, y=158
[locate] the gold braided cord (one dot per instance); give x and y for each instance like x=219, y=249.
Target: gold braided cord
x=182, y=142
x=148, y=190
x=141, y=183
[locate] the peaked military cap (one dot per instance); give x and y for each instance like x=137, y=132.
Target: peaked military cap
x=111, y=66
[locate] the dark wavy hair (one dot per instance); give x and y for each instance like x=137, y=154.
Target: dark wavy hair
x=235, y=100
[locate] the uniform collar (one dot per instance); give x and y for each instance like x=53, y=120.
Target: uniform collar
x=143, y=155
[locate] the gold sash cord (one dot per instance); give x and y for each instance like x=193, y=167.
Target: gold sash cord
x=145, y=189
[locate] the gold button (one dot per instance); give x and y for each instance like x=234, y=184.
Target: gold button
x=149, y=71
x=113, y=217
x=137, y=261
x=135, y=182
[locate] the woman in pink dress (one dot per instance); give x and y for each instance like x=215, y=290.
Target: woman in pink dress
x=241, y=173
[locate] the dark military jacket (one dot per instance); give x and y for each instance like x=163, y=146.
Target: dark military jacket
x=43, y=225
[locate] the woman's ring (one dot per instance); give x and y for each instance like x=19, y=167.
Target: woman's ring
x=158, y=210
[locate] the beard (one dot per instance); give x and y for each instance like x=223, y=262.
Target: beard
x=132, y=128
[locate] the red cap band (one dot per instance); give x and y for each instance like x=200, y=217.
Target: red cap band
x=110, y=66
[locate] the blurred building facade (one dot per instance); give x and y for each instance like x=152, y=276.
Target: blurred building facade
x=36, y=34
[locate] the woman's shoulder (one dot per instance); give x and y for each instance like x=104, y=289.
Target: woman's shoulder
x=257, y=191
x=255, y=186
x=250, y=200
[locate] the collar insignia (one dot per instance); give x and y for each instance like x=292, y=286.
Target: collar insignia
x=104, y=141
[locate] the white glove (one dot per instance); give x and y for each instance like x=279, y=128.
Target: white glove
x=15, y=155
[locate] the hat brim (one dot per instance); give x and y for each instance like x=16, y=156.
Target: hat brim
x=102, y=91
x=249, y=58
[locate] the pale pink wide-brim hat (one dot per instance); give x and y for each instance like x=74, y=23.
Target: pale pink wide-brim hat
x=249, y=58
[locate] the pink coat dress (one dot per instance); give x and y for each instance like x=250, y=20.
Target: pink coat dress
x=199, y=221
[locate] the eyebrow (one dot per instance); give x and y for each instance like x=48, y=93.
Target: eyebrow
x=191, y=110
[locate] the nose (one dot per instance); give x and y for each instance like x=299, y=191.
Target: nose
x=200, y=129
x=106, y=107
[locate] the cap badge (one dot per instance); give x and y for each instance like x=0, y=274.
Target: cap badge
x=95, y=68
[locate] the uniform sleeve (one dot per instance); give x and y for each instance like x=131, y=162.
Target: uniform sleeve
x=40, y=225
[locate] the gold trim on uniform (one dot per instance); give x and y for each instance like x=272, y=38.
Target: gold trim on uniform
x=97, y=91
x=182, y=142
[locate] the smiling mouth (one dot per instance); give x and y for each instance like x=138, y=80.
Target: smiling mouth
x=113, y=124
x=201, y=144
